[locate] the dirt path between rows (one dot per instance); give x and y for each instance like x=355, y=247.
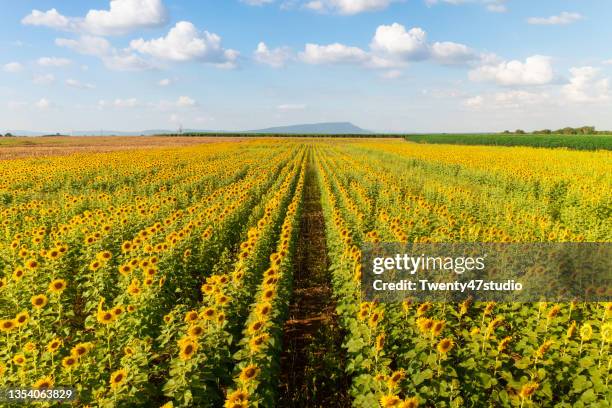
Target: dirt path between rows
x=312, y=364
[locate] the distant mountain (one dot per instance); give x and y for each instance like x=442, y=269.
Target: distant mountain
x=328, y=128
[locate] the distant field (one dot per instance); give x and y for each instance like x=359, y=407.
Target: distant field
x=576, y=142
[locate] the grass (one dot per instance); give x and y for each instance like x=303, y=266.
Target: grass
x=576, y=142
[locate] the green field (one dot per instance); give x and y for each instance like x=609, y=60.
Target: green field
x=576, y=142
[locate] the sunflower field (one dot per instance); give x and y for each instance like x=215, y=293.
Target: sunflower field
x=162, y=276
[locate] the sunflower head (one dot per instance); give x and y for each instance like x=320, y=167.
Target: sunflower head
x=22, y=318
x=7, y=325
x=69, y=362
x=117, y=378
x=39, y=301
x=445, y=345
x=586, y=332
x=389, y=401
x=44, y=383
x=57, y=286
x=528, y=389
x=54, y=345
x=19, y=359
x=187, y=348
x=248, y=373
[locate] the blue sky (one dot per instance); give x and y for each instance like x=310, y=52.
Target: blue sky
x=385, y=65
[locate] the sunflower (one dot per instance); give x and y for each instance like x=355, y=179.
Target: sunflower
x=44, y=383
x=7, y=325
x=255, y=343
x=445, y=345
x=503, y=344
x=375, y=318
x=2, y=369
x=380, y=342
x=126, y=247
x=195, y=331
x=81, y=349
x=117, y=378
x=544, y=348
x=18, y=274
x=125, y=269
x=39, y=301
x=571, y=330
x=95, y=265
x=528, y=389
x=31, y=264
x=118, y=310
x=423, y=308
x=69, y=362
x=22, y=318
x=54, y=345
x=586, y=332
x=57, y=286
x=389, y=401
x=134, y=287
x=248, y=373
x=424, y=324
x=3, y=283
x=256, y=326
x=437, y=327
x=19, y=359
x=238, y=396
x=412, y=402
x=188, y=347
x=191, y=316
x=104, y=256
x=29, y=347
x=395, y=378
x=105, y=316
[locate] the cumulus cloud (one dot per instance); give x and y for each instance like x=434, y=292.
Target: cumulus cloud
x=185, y=43
x=123, y=16
x=43, y=104
x=513, y=99
x=53, y=62
x=562, y=19
x=474, y=102
x=12, y=67
x=347, y=6
x=536, y=70
x=494, y=6
x=276, y=57
x=74, y=83
x=165, y=82
x=185, y=101
x=43, y=79
x=392, y=47
x=118, y=60
x=332, y=54
x=586, y=85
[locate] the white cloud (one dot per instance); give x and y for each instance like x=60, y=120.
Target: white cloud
x=290, y=107
x=185, y=101
x=561, y=19
x=452, y=53
x=536, y=70
x=165, y=82
x=12, y=67
x=43, y=104
x=53, y=62
x=118, y=60
x=123, y=16
x=392, y=74
x=332, y=54
x=125, y=103
x=347, y=6
x=607, y=62
x=395, y=41
x=185, y=43
x=586, y=85
x=276, y=58
x=87, y=45
x=43, y=79
x=74, y=83
x=513, y=99
x=494, y=6
x=474, y=102
x=392, y=47
x=51, y=18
